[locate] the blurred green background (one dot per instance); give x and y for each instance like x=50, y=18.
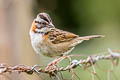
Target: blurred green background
x=83, y=17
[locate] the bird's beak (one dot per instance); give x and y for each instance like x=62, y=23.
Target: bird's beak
x=51, y=25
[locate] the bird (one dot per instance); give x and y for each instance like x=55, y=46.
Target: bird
x=50, y=41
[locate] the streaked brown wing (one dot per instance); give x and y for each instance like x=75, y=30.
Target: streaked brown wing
x=59, y=36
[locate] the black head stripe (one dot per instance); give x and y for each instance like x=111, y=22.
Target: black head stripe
x=49, y=18
x=37, y=22
x=44, y=18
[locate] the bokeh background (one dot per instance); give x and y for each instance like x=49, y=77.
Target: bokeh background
x=83, y=17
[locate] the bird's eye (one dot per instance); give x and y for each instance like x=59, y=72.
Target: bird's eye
x=44, y=23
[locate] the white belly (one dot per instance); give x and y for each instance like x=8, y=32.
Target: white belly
x=36, y=39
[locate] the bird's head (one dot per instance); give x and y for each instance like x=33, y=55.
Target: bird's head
x=42, y=23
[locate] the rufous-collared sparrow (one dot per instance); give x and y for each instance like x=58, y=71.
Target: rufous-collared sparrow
x=50, y=41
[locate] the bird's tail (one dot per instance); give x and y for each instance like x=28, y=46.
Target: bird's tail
x=81, y=39
x=90, y=37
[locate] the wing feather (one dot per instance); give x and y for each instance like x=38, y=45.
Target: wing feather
x=59, y=36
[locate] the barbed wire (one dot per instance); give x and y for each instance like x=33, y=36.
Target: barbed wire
x=52, y=69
